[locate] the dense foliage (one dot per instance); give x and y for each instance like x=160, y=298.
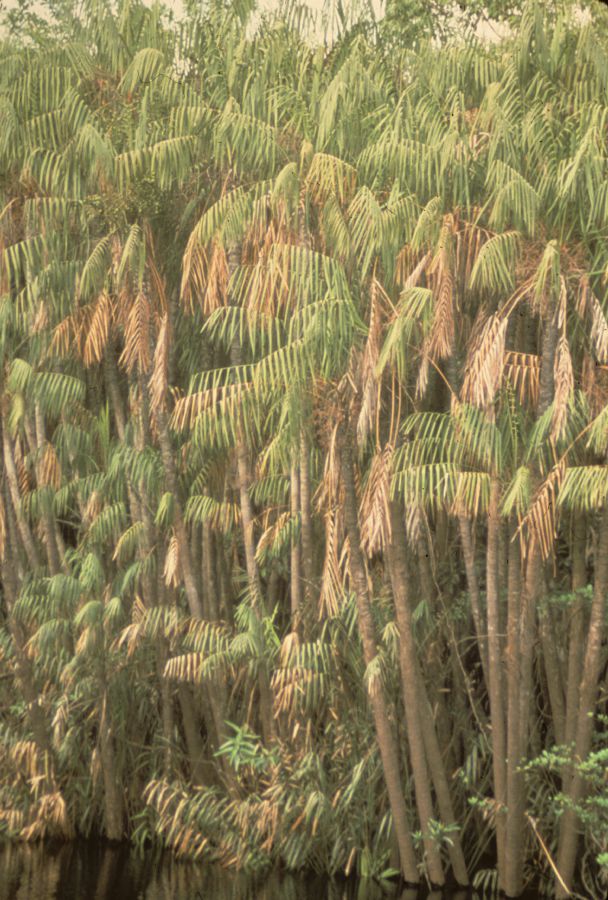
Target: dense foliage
x=304, y=494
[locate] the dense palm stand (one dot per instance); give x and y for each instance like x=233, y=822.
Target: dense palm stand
x=304, y=440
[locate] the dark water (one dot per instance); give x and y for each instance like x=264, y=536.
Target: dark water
x=93, y=871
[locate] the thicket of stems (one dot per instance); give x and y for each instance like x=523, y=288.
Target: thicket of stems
x=304, y=494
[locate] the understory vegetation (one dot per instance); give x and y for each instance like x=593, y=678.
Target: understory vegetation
x=304, y=441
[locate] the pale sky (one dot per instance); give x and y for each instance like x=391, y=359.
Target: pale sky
x=323, y=9
x=176, y=5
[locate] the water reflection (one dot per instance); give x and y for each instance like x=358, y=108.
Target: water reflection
x=100, y=872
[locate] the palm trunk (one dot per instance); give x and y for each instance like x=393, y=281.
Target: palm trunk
x=514, y=843
x=25, y=533
x=306, y=523
x=553, y=674
x=295, y=554
x=434, y=654
x=210, y=593
x=568, y=833
x=48, y=520
x=113, y=390
x=464, y=528
x=306, y=533
x=166, y=707
x=194, y=742
x=255, y=584
x=576, y=642
x=113, y=803
x=167, y=454
x=384, y=735
x=522, y=641
x=495, y=687
x=247, y=519
x=520, y=714
x=441, y=785
x=224, y=583
x=217, y=687
x=407, y=650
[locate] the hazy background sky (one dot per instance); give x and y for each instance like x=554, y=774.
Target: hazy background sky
x=321, y=8
x=176, y=5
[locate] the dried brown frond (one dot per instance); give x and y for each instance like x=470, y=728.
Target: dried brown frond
x=23, y=474
x=24, y=755
x=93, y=507
x=60, y=722
x=290, y=687
x=171, y=804
x=132, y=634
x=522, y=371
x=469, y=240
x=13, y=819
x=224, y=517
x=172, y=563
x=441, y=335
x=137, y=352
x=82, y=327
x=216, y=289
x=539, y=525
x=484, y=367
x=64, y=335
x=589, y=305
x=332, y=577
x=41, y=319
x=289, y=648
x=370, y=383
x=116, y=249
x=266, y=285
x=130, y=637
x=375, y=504
x=49, y=471
x=194, y=274
x=472, y=494
x=423, y=374
x=160, y=371
x=157, y=280
x=97, y=333
x=271, y=533
x=328, y=493
x=407, y=260
x=412, y=278
x=564, y=388
x=187, y=667
x=53, y=812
